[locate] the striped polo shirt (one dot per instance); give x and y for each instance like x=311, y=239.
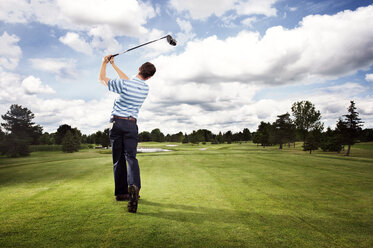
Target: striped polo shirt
x=132, y=94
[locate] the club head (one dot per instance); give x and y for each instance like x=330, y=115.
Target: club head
x=171, y=40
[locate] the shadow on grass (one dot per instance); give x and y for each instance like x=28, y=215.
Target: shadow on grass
x=303, y=227
x=196, y=215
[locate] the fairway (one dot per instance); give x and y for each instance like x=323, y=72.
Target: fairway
x=237, y=195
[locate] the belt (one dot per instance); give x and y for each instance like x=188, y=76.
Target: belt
x=124, y=118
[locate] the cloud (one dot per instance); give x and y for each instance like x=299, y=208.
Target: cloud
x=63, y=68
x=116, y=13
x=88, y=116
x=33, y=85
x=232, y=106
x=186, y=33
x=249, y=21
x=203, y=9
x=10, y=52
x=213, y=83
x=369, y=77
x=81, y=15
x=15, y=11
x=74, y=41
x=252, y=7
x=320, y=48
x=102, y=20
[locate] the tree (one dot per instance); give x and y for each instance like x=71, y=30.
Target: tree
x=91, y=138
x=46, y=139
x=311, y=142
x=105, y=139
x=186, y=139
x=306, y=118
x=263, y=134
x=144, y=136
x=98, y=137
x=157, y=135
x=351, y=127
x=366, y=135
x=21, y=131
x=61, y=132
x=2, y=142
x=68, y=142
x=77, y=135
x=246, y=134
x=178, y=137
x=196, y=137
x=284, y=129
x=256, y=138
x=228, y=137
x=331, y=141
x=220, y=138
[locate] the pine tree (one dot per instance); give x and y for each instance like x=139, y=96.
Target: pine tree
x=21, y=131
x=351, y=127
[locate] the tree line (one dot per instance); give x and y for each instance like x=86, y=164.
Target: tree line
x=304, y=125
x=196, y=137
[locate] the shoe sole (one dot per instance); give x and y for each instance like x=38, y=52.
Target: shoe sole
x=132, y=203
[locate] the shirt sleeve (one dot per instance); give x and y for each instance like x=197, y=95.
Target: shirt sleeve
x=117, y=85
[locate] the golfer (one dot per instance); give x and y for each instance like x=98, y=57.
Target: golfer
x=123, y=128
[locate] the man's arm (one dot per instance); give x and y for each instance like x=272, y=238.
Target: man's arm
x=102, y=78
x=121, y=74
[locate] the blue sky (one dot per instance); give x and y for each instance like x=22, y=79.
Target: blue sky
x=237, y=62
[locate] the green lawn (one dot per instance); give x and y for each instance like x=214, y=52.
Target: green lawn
x=235, y=195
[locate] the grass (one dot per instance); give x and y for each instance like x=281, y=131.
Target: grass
x=235, y=195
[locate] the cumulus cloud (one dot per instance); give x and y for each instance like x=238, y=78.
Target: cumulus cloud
x=369, y=77
x=117, y=13
x=102, y=20
x=321, y=47
x=203, y=9
x=33, y=85
x=77, y=43
x=232, y=106
x=64, y=68
x=81, y=15
x=10, y=52
x=88, y=116
x=203, y=88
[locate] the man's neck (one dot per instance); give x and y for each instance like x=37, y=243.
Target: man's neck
x=140, y=77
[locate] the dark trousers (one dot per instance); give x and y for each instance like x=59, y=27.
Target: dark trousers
x=124, y=139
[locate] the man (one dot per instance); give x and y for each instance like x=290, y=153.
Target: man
x=124, y=130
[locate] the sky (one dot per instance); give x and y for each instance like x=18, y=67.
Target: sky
x=237, y=62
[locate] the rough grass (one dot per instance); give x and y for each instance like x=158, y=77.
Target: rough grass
x=235, y=195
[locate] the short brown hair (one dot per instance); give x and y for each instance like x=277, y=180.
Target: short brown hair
x=147, y=70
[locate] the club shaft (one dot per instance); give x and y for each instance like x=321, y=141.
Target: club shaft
x=138, y=46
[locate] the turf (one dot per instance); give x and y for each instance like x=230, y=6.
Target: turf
x=237, y=195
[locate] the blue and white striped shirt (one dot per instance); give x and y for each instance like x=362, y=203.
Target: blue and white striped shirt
x=132, y=94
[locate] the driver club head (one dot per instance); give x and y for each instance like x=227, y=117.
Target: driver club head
x=171, y=40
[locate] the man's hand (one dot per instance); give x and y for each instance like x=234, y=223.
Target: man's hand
x=112, y=60
x=106, y=59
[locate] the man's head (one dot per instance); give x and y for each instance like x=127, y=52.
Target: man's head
x=147, y=70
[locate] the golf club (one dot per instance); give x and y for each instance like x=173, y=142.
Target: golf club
x=169, y=39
